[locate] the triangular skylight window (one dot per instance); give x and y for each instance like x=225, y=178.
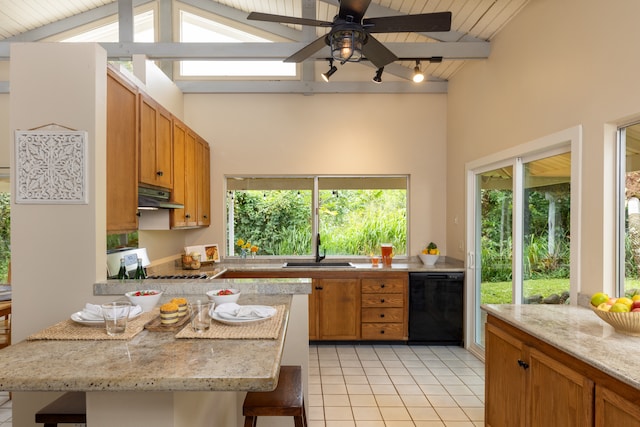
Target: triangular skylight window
x=197, y=29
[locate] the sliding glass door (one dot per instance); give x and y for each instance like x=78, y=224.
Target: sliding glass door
x=519, y=232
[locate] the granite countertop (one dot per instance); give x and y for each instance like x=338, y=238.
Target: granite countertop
x=410, y=264
x=578, y=332
x=151, y=361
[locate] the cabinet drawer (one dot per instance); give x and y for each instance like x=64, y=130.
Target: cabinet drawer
x=382, y=315
x=383, y=300
x=382, y=331
x=382, y=285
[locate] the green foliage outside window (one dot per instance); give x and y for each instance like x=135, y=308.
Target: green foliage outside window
x=351, y=222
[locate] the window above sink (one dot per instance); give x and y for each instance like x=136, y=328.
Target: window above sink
x=282, y=215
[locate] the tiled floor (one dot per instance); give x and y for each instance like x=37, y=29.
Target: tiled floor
x=394, y=386
x=384, y=386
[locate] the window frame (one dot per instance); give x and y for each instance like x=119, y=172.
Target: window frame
x=315, y=216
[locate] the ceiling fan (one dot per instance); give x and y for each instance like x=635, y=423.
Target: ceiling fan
x=350, y=37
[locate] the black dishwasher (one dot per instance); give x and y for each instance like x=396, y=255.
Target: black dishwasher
x=436, y=308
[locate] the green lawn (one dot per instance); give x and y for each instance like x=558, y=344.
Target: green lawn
x=500, y=292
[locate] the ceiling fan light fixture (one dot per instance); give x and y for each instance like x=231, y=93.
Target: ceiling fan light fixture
x=378, y=77
x=332, y=69
x=346, y=45
x=418, y=76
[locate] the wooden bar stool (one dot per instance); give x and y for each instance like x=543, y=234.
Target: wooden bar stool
x=287, y=400
x=69, y=408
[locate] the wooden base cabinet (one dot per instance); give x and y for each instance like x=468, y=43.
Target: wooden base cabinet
x=336, y=308
x=531, y=383
x=384, y=308
x=613, y=410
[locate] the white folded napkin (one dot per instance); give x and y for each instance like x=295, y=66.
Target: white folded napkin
x=94, y=312
x=234, y=311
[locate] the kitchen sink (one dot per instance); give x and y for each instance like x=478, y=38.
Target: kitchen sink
x=318, y=265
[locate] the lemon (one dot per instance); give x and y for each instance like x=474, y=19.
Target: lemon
x=619, y=308
x=604, y=307
x=598, y=298
x=624, y=300
x=635, y=298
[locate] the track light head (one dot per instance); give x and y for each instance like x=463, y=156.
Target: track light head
x=378, y=77
x=332, y=69
x=417, y=74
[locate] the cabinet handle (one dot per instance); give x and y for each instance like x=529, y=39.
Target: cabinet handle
x=381, y=285
x=318, y=288
x=205, y=216
x=382, y=331
x=382, y=300
x=187, y=216
x=160, y=173
x=382, y=315
x=523, y=364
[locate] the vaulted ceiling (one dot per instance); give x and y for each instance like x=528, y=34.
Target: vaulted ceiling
x=474, y=24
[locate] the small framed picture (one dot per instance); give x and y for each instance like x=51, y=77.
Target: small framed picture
x=211, y=253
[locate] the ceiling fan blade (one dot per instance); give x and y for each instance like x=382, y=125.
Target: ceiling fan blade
x=377, y=53
x=308, y=50
x=355, y=8
x=425, y=22
x=257, y=16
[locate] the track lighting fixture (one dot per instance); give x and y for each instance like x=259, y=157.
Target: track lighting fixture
x=332, y=69
x=417, y=74
x=378, y=77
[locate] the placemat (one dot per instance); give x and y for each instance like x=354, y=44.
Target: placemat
x=267, y=329
x=70, y=330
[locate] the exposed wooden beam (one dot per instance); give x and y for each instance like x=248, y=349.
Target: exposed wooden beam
x=125, y=20
x=279, y=51
x=309, y=88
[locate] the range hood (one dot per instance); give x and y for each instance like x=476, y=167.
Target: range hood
x=149, y=198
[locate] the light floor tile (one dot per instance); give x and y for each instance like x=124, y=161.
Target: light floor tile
x=363, y=400
x=423, y=414
x=338, y=413
x=367, y=423
x=383, y=389
x=378, y=379
x=442, y=401
x=451, y=414
x=388, y=400
x=366, y=413
x=336, y=400
x=415, y=400
x=395, y=413
x=359, y=389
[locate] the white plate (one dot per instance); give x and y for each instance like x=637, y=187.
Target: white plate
x=215, y=316
x=77, y=317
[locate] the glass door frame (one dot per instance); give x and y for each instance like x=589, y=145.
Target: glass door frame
x=568, y=140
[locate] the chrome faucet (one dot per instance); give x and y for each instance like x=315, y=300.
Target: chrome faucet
x=318, y=256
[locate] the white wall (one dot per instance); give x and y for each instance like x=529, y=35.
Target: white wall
x=57, y=250
x=555, y=66
x=329, y=134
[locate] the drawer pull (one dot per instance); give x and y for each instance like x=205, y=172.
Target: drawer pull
x=318, y=288
x=381, y=299
x=382, y=331
x=382, y=285
x=160, y=173
x=382, y=315
x=523, y=364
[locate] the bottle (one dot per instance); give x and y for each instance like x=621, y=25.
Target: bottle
x=122, y=273
x=140, y=273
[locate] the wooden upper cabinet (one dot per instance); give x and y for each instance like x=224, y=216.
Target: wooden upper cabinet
x=156, y=144
x=122, y=154
x=178, y=192
x=204, y=187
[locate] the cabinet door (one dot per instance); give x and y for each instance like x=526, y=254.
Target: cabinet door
x=156, y=150
x=338, y=309
x=204, y=190
x=505, y=380
x=191, y=181
x=313, y=312
x=122, y=155
x=178, y=193
x=613, y=410
x=558, y=396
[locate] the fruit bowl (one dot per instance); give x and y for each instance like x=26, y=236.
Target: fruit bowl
x=428, y=259
x=147, y=299
x=624, y=323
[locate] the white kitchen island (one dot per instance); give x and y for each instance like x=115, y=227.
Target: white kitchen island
x=156, y=379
